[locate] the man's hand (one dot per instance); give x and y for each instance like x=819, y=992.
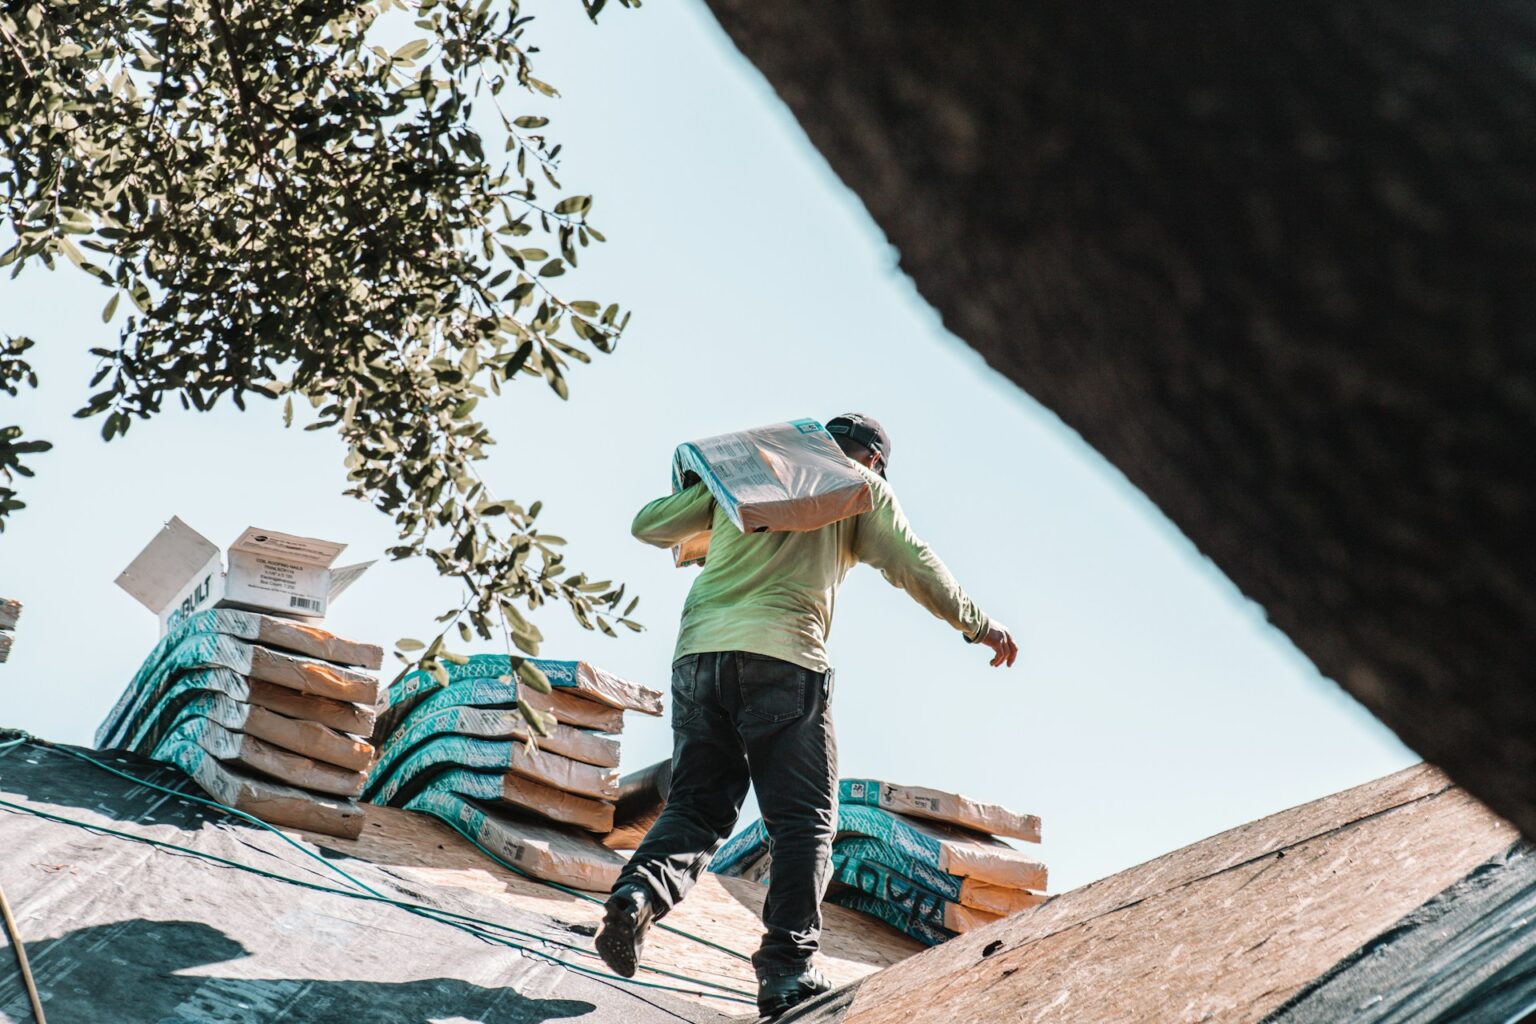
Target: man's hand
x=1005, y=651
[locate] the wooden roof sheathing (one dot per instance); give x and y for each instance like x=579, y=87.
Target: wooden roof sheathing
x=422, y=850
x=1223, y=931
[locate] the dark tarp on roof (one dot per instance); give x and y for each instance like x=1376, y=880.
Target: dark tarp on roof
x=1468, y=955
x=118, y=930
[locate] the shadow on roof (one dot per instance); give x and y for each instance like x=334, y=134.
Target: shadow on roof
x=133, y=969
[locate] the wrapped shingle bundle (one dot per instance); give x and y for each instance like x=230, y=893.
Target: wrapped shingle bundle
x=782, y=477
x=269, y=715
x=934, y=869
x=10, y=611
x=463, y=751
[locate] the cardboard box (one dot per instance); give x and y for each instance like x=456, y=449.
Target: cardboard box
x=784, y=477
x=181, y=572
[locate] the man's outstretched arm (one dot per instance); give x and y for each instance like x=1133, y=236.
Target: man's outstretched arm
x=885, y=540
x=669, y=521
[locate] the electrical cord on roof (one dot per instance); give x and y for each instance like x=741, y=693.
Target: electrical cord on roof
x=473, y=926
x=577, y=892
x=225, y=808
x=464, y=922
x=13, y=935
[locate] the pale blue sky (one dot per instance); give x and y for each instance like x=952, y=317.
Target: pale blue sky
x=1152, y=705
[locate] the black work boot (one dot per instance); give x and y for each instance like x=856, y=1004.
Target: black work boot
x=777, y=993
x=628, y=917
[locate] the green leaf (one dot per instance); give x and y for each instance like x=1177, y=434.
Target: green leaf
x=541, y=722
x=533, y=677
x=366, y=252
x=411, y=50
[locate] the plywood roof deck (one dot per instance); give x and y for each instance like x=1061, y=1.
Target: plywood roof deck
x=1225, y=930
x=423, y=850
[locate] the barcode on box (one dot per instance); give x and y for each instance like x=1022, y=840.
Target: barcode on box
x=307, y=603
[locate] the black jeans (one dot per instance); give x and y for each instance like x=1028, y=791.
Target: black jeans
x=740, y=718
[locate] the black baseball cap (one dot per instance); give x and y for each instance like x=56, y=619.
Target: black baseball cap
x=864, y=430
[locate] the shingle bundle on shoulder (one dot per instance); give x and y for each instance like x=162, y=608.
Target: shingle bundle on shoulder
x=928, y=863
x=463, y=751
x=269, y=715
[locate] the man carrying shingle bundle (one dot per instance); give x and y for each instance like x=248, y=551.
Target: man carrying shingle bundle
x=751, y=692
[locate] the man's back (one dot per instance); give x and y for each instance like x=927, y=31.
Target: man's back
x=773, y=593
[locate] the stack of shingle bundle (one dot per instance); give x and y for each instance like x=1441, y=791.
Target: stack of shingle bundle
x=926, y=862
x=268, y=714
x=464, y=752
x=10, y=611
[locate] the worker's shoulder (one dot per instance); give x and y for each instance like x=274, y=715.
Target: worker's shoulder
x=879, y=488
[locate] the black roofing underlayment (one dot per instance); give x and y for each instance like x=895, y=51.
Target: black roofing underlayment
x=119, y=931
x=1468, y=955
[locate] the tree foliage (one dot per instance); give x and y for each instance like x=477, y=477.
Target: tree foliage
x=285, y=208
x=15, y=373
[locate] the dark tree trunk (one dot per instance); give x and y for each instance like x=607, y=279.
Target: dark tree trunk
x=1277, y=261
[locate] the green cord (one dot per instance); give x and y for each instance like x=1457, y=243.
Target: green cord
x=417, y=908
x=577, y=892
x=588, y=896
x=431, y=913
x=216, y=805
x=225, y=808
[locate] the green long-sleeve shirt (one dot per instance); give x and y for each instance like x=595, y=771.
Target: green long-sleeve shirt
x=772, y=593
